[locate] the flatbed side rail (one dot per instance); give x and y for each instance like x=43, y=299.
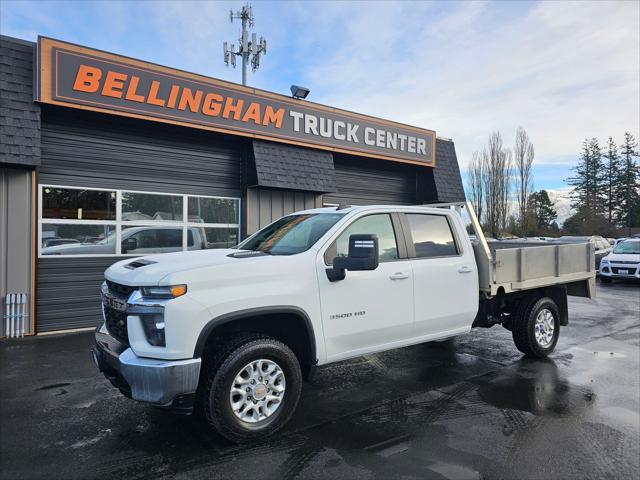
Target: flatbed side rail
x=533, y=267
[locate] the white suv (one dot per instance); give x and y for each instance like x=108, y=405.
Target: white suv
x=623, y=262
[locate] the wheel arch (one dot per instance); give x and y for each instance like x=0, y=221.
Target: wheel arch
x=557, y=293
x=288, y=323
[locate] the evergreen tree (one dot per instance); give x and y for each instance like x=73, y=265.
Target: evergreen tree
x=585, y=223
x=589, y=185
x=627, y=195
x=581, y=181
x=543, y=209
x=598, y=178
x=611, y=174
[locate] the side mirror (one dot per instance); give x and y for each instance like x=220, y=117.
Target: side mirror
x=363, y=255
x=129, y=244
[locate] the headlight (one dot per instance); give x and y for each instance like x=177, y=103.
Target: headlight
x=173, y=291
x=605, y=260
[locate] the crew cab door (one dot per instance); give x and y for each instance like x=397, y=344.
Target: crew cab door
x=445, y=274
x=368, y=309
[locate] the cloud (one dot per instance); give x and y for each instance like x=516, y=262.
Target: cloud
x=563, y=70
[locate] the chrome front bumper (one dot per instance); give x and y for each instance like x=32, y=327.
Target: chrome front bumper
x=165, y=383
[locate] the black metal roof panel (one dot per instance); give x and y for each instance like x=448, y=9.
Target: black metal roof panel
x=447, y=173
x=293, y=168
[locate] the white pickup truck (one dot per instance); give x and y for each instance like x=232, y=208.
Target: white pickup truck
x=232, y=333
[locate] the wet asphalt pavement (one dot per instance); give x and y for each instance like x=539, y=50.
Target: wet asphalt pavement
x=472, y=408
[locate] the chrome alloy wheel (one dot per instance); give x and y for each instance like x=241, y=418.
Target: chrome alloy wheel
x=544, y=327
x=257, y=391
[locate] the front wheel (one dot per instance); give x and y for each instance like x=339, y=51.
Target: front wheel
x=252, y=388
x=536, y=327
x=605, y=279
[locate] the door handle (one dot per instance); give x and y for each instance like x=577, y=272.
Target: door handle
x=465, y=269
x=399, y=276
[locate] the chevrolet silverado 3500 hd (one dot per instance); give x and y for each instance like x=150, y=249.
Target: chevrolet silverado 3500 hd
x=233, y=332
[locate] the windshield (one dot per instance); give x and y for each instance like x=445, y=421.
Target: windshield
x=628, y=246
x=292, y=234
x=109, y=239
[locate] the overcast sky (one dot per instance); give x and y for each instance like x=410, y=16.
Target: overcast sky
x=563, y=70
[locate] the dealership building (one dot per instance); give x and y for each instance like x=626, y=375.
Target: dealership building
x=104, y=157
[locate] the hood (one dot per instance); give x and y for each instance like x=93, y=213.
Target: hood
x=623, y=257
x=79, y=249
x=151, y=269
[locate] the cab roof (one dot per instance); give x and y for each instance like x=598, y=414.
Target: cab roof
x=364, y=208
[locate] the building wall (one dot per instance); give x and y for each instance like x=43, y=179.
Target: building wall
x=88, y=149
x=97, y=150
x=265, y=205
x=364, y=181
x=16, y=238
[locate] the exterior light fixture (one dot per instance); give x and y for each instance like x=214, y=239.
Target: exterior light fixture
x=299, y=92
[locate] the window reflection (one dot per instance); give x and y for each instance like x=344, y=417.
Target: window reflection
x=379, y=225
x=145, y=240
x=213, y=210
x=66, y=239
x=78, y=204
x=151, y=207
x=432, y=235
x=82, y=221
x=220, y=237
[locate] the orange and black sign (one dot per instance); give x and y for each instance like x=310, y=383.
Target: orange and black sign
x=79, y=77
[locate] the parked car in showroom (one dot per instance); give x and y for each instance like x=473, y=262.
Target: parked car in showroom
x=54, y=242
x=136, y=240
x=623, y=262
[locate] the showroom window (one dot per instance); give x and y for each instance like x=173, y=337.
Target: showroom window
x=76, y=221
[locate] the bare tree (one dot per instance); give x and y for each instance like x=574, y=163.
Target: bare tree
x=523, y=154
x=497, y=183
x=476, y=178
x=505, y=172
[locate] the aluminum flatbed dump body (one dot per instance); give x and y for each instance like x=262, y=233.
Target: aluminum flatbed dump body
x=524, y=268
x=508, y=267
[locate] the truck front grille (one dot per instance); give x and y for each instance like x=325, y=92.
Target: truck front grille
x=120, y=290
x=629, y=270
x=116, y=323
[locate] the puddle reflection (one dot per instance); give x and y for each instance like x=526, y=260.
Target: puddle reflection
x=535, y=386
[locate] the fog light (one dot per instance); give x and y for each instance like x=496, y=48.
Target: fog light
x=153, y=325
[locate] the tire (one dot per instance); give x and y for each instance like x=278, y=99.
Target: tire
x=605, y=279
x=534, y=311
x=235, y=358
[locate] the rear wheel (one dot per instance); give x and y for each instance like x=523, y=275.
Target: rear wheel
x=252, y=388
x=536, y=327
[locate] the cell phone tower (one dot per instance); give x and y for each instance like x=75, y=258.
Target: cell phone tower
x=247, y=49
